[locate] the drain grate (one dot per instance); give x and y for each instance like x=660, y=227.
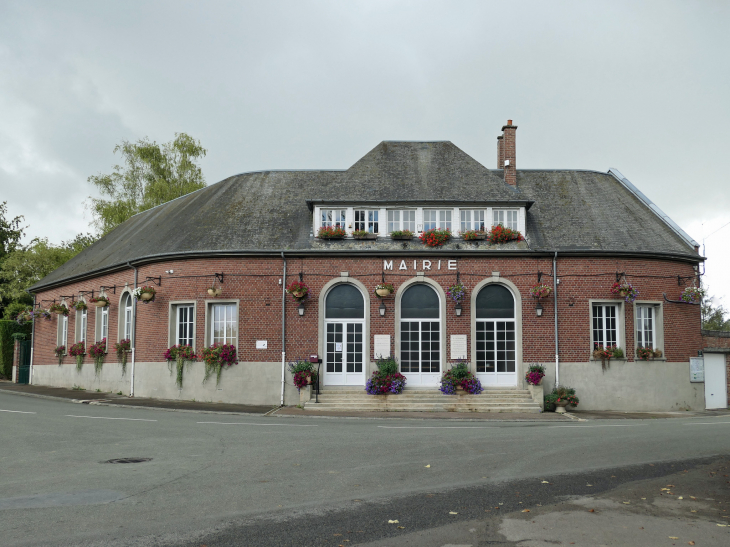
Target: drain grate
x=128, y=460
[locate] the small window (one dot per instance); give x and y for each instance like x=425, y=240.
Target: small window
x=104, y=322
x=333, y=218
x=605, y=325
x=125, y=317
x=440, y=219
x=62, y=332
x=505, y=217
x=495, y=302
x=81, y=324
x=401, y=220
x=645, y=337
x=344, y=302
x=366, y=220
x=184, y=323
x=420, y=301
x=223, y=324
x=472, y=220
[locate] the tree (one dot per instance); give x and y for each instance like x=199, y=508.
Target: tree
x=10, y=232
x=151, y=175
x=28, y=265
x=713, y=317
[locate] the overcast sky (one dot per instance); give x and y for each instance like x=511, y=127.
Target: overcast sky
x=640, y=86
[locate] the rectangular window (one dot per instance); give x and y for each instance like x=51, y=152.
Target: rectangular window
x=645, y=329
x=62, y=333
x=128, y=321
x=505, y=217
x=433, y=218
x=104, y=322
x=472, y=220
x=605, y=329
x=223, y=324
x=333, y=218
x=366, y=220
x=184, y=317
x=401, y=220
x=81, y=324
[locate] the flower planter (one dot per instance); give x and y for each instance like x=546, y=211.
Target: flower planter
x=401, y=237
x=309, y=380
x=477, y=237
x=368, y=236
x=101, y=304
x=298, y=294
x=560, y=407
x=215, y=292
x=382, y=292
x=146, y=296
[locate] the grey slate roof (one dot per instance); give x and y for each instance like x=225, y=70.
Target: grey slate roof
x=267, y=211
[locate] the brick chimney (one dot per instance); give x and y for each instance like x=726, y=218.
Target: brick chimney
x=508, y=156
x=500, y=152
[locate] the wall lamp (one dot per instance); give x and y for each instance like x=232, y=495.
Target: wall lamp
x=538, y=309
x=300, y=309
x=457, y=309
x=382, y=308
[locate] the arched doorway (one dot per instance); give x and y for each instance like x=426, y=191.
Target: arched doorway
x=496, y=354
x=344, y=322
x=420, y=335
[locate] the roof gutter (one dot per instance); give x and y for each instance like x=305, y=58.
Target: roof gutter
x=526, y=203
x=656, y=210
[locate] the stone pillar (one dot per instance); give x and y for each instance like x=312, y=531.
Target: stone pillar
x=305, y=395
x=538, y=395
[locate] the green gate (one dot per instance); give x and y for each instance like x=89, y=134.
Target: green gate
x=24, y=362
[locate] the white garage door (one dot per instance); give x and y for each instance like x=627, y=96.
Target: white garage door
x=715, y=381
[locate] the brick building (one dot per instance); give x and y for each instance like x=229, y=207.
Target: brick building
x=252, y=234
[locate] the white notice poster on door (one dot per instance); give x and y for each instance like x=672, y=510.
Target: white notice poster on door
x=458, y=346
x=381, y=346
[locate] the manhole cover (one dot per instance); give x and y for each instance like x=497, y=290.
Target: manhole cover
x=128, y=460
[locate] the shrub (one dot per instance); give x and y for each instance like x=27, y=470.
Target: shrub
x=7, y=345
x=560, y=393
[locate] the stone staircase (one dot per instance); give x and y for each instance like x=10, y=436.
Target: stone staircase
x=424, y=400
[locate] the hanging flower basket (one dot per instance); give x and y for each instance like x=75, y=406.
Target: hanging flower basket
x=214, y=292
x=384, y=289
x=298, y=290
x=456, y=292
x=474, y=235
x=98, y=353
x=25, y=316
x=331, y=232
x=100, y=301
x=364, y=234
x=435, y=237
x=401, y=234
x=78, y=350
x=692, y=295
x=502, y=234
x=541, y=291
x=60, y=352
x=80, y=305
x=625, y=290
x=179, y=355
x=58, y=309
x=145, y=294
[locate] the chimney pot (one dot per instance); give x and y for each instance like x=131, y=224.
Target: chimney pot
x=509, y=122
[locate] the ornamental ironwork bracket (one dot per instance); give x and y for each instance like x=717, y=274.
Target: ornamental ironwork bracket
x=156, y=280
x=105, y=287
x=680, y=301
x=72, y=297
x=539, y=276
x=219, y=276
x=81, y=293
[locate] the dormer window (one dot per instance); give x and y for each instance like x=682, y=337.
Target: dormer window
x=366, y=220
x=473, y=219
x=505, y=217
x=334, y=217
x=440, y=219
x=400, y=220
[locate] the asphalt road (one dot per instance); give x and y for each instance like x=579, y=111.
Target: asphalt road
x=253, y=480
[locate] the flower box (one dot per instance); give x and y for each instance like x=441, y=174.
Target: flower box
x=331, y=232
x=401, y=234
x=365, y=236
x=473, y=235
x=383, y=290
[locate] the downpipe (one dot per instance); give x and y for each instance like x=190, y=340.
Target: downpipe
x=134, y=330
x=555, y=300
x=32, y=346
x=283, y=329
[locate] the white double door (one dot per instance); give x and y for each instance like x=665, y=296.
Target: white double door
x=344, y=354
x=496, y=363
x=420, y=352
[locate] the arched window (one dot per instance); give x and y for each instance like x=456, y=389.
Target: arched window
x=495, y=336
x=126, y=316
x=344, y=318
x=420, y=335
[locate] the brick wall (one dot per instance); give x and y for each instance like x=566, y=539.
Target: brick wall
x=719, y=340
x=255, y=282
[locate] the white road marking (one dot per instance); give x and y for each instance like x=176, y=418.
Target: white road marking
x=607, y=425
x=705, y=423
x=249, y=423
x=17, y=411
x=433, y=427
x=105, y=418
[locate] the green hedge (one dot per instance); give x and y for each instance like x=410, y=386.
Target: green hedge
x=7, y=344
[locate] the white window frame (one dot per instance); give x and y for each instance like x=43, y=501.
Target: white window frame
x=400, y=224
x=620, y=324
x=472, y=223
x=514, y=224
x=370, y=222
x=209, y=321
x=126, y=317
x=338, y=217
x=174, y=327
x=657, y=308
x=81, y=325
x=62, y=331
x=444, y=219
x=101, y=324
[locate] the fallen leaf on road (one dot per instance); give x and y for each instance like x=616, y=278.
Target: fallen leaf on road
x=667, y=489
x=723, y=525
x=591, y=510
x=453, y=513
x=392, y=522
x=589, y=485
x=525, y=510
x=680, y=498
x=693, y=511
x=673, y=537
x=694, y=498
x=496, y=507
x=690, y=543
x=643, y=498
x=336, y=534
x=670, y=485
x=402, y=527
x=501, y=503
x=429, y=465
x=627, y=503
x=545, y=482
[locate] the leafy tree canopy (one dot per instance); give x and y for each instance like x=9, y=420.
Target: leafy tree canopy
x=27, y=265
x=151, y=174
x=10, y=232
x=714, y=317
